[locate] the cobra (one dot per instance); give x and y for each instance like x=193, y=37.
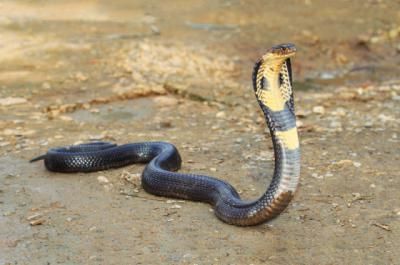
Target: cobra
x=272, y=82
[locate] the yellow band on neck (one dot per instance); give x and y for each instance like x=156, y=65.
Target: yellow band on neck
x=289, y=138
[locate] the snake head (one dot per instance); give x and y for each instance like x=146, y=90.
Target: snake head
x=278, y=54
x=284, y=50
x=272, y=77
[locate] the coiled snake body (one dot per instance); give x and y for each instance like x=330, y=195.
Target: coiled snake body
x=272, y=82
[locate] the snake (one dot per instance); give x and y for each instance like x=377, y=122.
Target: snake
x=272, y=83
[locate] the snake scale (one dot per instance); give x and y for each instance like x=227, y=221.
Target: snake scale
x=272, y=82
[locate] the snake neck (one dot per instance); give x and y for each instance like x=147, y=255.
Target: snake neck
x=272, y=86
x=274, y=93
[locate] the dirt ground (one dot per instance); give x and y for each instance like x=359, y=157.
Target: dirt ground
x=179, y=71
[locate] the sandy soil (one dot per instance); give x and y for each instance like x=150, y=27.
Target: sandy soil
x=180, y=72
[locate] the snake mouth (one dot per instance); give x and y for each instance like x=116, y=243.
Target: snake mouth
x=284, y=50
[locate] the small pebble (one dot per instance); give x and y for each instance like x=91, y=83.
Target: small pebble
x=220, y=114
x=319, y=109
x=37, y=222
x=34, y=216
x=102, y=180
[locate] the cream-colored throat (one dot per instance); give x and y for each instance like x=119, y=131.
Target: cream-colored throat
x=272, y=95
